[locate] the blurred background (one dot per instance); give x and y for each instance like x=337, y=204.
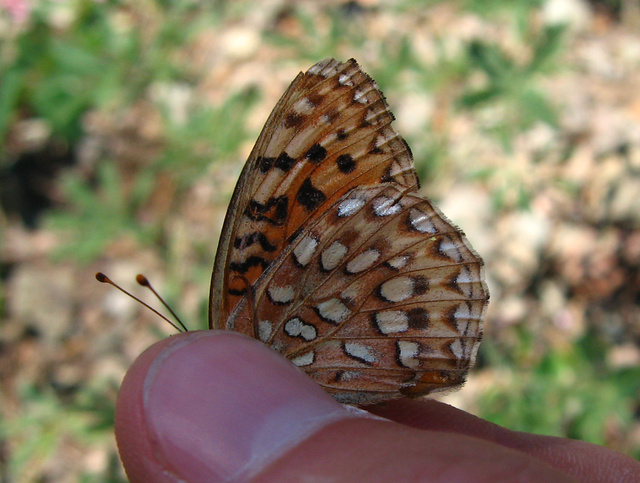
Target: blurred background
x=124, y=126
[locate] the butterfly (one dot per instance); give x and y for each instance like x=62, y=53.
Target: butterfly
x=330, y=256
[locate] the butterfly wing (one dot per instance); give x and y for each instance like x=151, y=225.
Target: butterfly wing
x=379, y=297
x=329, y=132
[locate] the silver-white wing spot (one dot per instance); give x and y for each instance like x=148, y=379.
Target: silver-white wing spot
x=408, y=353
x=350, y=206
x=350, y=375
x=397, y=289
x=464, y=281
x=265, y=328
x=360, y=96
x=317, y=68
x=384, y=137
x=385, y=206
x=420, y=221
x=464, y=276
x=303, y=106
x=345, y=80
x=281, y=295
x=391, y=321
x=450, y=249
x=462, y=316
x=298, y=328
x=363, y=261
x=305, y=359
x=303, y=252
x=333, y=311
x=332, y=255
x=457, y=348
x=360, y=351
x=399, y=261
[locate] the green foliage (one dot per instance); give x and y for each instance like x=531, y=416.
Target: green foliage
x=95, y=62
x=97, y=404
x=10, y=84
x=570, y=392
x=511, y=86
x=518, y=12
x=320, y=39
x=209, y=134
x=59, y=75
x=97, y=217
x=46, y=422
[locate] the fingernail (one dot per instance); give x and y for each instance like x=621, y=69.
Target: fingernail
x=221, y=406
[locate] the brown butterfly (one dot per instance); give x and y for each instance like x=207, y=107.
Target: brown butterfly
x=330, y=256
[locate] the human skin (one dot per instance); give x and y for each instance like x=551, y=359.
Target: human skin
x=219, y=406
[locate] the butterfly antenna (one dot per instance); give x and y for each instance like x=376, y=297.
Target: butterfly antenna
x=142, y=280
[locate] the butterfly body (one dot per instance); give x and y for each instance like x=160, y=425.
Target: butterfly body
x=330, y=256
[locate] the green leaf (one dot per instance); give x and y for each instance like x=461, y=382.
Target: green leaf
x=11, y=87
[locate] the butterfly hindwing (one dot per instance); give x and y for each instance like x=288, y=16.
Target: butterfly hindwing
x=380, y=283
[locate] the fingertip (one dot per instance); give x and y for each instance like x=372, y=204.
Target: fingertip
x=214, y=406
x=134, y=443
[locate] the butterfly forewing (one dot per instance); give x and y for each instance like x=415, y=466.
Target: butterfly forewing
x=329, y=132
x=330, y=256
